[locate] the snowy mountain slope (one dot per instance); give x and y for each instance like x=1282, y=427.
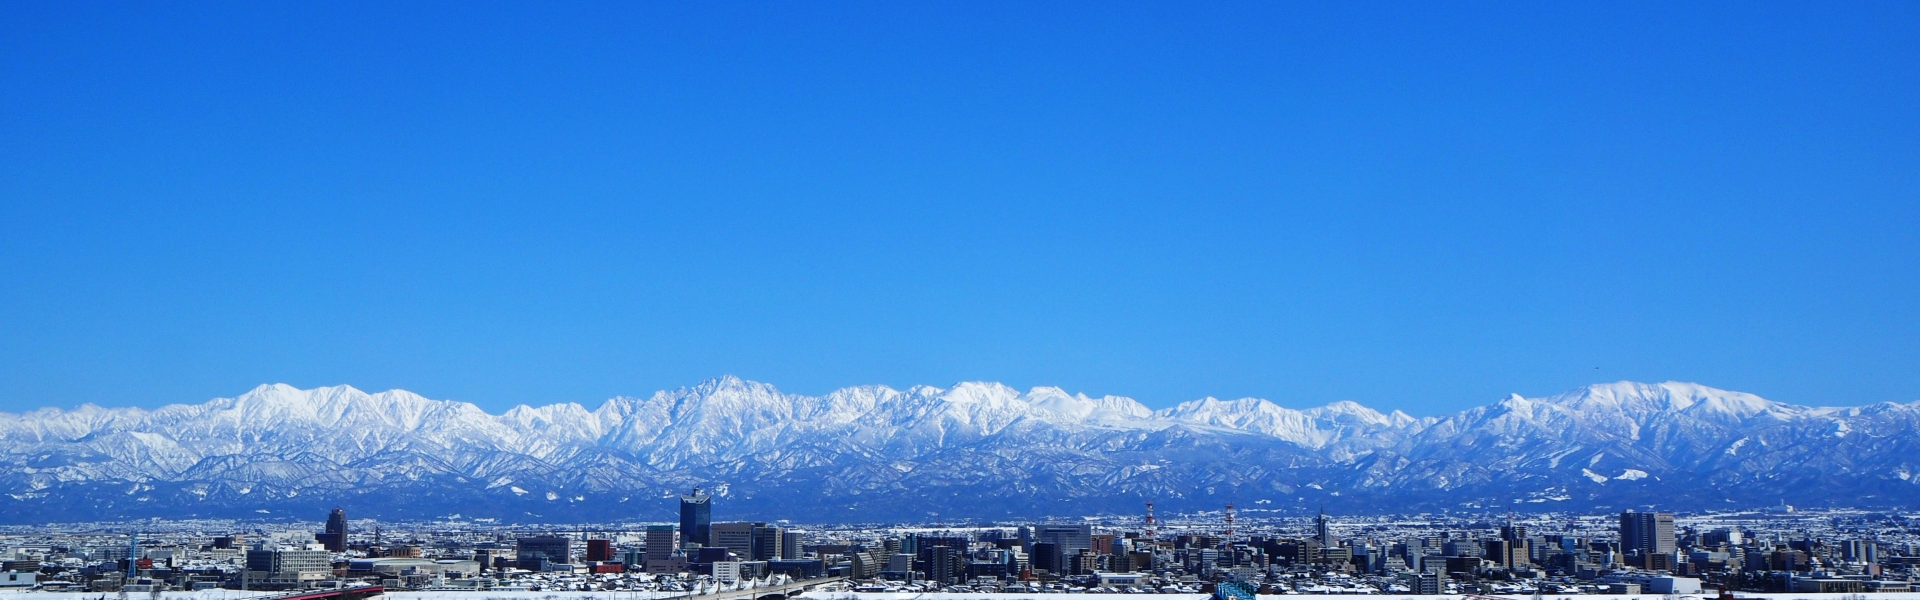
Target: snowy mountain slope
x=975, y=449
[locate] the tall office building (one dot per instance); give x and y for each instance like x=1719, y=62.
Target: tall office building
x=1513, y=548
x=1321, y=531
x=600, y=550
x=1646, y=533
x=1725, y=536
x=1103, y=543
x=766, y=542
x=535, y=552
x=663, y=554
x=1513, y=532
x=662, y=541
x=899, y=563
x=696, y=515
x=735, y=537
x=790, y=545
x=1857, y=551
x=334, y=539
x=948, y=565
x=1068, y=538
x=1047, y=556
x=1509, y=553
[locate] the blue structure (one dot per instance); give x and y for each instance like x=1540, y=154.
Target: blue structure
x=1234, y=589
x=696, y=518
x=133, y=554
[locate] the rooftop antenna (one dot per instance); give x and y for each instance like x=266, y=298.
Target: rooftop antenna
x=1151, y=522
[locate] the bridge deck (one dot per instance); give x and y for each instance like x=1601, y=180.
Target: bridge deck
x=749, y=594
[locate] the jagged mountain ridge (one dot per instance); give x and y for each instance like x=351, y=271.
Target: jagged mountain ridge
x=975, y=449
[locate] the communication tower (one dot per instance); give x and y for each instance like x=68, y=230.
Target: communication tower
x=1229, y=522
x=1151, y=523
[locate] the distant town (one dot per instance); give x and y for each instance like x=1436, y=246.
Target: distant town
x=1231, y=554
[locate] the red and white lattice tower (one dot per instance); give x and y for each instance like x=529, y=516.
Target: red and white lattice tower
x=1229, y=521
x=1151, y=523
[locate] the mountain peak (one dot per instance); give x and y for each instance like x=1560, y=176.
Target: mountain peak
x=1081, y=407
x=729, y=383
x=1350, y=411
x=953, y=450
x=1643, y=400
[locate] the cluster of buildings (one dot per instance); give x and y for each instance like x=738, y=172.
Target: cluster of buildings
x=1632, y=552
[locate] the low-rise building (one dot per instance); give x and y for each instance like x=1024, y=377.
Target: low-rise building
x=287, y=568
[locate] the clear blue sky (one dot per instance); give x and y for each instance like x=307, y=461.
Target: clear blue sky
x=1421, y=205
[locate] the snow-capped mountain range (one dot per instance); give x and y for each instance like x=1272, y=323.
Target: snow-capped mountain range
x=972, y=450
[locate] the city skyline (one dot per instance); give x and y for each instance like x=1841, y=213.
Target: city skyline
x=1774, y=550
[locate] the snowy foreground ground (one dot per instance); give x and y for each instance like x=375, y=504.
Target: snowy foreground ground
x=515, y=595
x=1708, y=596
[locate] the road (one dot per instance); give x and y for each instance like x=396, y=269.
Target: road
x=783, y=590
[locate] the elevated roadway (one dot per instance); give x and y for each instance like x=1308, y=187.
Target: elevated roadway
x=772, y=592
